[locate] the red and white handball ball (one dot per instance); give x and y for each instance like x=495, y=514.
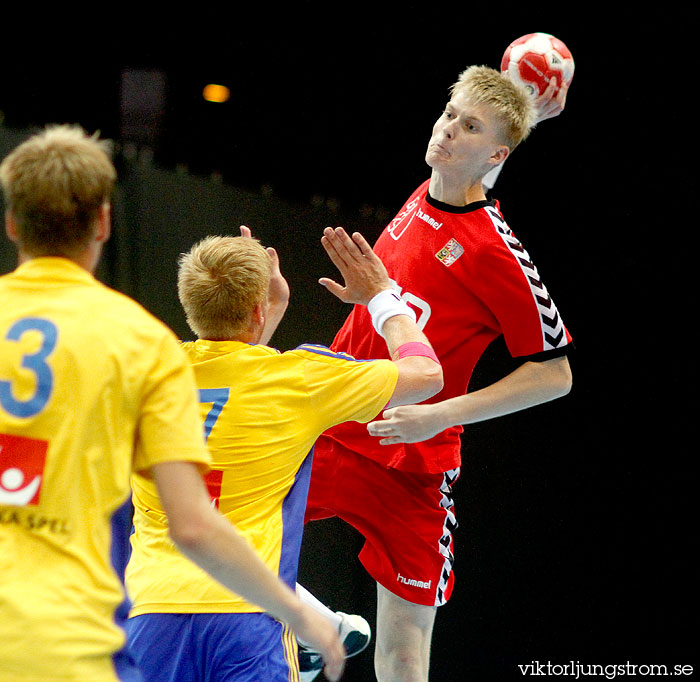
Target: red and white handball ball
x=534, y=59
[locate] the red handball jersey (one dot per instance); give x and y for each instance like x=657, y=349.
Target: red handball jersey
x=469, y=280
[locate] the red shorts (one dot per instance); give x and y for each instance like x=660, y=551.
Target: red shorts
x=406, y=519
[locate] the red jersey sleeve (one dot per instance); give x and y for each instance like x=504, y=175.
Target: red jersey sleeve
x=508, y=282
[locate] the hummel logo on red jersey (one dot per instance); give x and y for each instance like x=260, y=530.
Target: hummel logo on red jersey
x=22, y=462
x=431, y=221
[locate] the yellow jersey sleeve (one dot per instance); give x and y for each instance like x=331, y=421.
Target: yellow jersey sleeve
x=342, y=388
x=169, y=426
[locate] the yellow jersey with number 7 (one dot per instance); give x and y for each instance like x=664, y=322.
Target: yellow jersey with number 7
x=262, y=411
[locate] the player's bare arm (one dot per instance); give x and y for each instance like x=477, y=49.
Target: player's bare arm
x=365, y=277
x=277, y=295
x=531, y=384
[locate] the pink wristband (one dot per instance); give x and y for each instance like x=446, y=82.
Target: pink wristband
x=416, y=348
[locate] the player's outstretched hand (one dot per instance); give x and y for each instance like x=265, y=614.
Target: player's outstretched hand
x=362, y=270
x=548, y=105
x=407, y=424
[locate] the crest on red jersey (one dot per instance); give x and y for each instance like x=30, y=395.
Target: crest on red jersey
x=449, y=253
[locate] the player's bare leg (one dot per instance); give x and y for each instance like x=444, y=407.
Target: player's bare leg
x=403, y=635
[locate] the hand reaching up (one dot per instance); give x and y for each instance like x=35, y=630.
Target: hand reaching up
x=363, y=272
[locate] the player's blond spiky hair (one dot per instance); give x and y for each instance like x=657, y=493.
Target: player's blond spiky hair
x=220, y=281
x=513, y=106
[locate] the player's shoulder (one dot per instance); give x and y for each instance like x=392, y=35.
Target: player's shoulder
x=330, y=362
x=319, y=353
x=206, y=350
x=486, y=223
x=470, y=229
x=318, y=365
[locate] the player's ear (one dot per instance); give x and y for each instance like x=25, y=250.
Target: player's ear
x=259, y=313
x=500, y=155
x=258, y=317
x=11, y=227
x=104, y=223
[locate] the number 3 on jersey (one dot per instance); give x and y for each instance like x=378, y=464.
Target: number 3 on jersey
x=34, y=362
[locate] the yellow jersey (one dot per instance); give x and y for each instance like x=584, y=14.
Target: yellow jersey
x=262, y=411
x=91, y=387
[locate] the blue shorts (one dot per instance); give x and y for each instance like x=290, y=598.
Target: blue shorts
x=212, y=647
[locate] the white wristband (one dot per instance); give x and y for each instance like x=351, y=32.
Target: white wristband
x=386, y=304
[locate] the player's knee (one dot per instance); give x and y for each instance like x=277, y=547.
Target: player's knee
x=401, y=661
x=401, y=664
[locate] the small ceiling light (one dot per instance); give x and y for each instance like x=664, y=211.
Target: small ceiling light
x=216, y=93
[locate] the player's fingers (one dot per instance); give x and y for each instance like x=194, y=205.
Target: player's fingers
x=561, y=95
x=384, y=425
x=245, y=231
x=379, y=428
x=374, y=428
x=334, y=238
x=362, y=244
x=331, y=245
x=334, y=670
x=345, y=245
x=332, y=286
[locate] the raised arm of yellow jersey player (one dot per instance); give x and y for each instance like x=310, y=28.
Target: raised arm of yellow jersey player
x=364, y=275
x=531, y=384
x=208, y=539
x=277, y=295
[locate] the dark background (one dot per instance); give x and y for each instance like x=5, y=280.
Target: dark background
x=577, y=533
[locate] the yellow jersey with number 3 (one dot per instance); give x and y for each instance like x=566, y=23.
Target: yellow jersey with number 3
x=262, y=412
x=91, y=386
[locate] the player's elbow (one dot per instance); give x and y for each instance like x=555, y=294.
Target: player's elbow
x=567, y=383
x=186, y=537
x=434, y=379
x=560, y=377
x=428, y=379
x=189, y=533
x=419, y=379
